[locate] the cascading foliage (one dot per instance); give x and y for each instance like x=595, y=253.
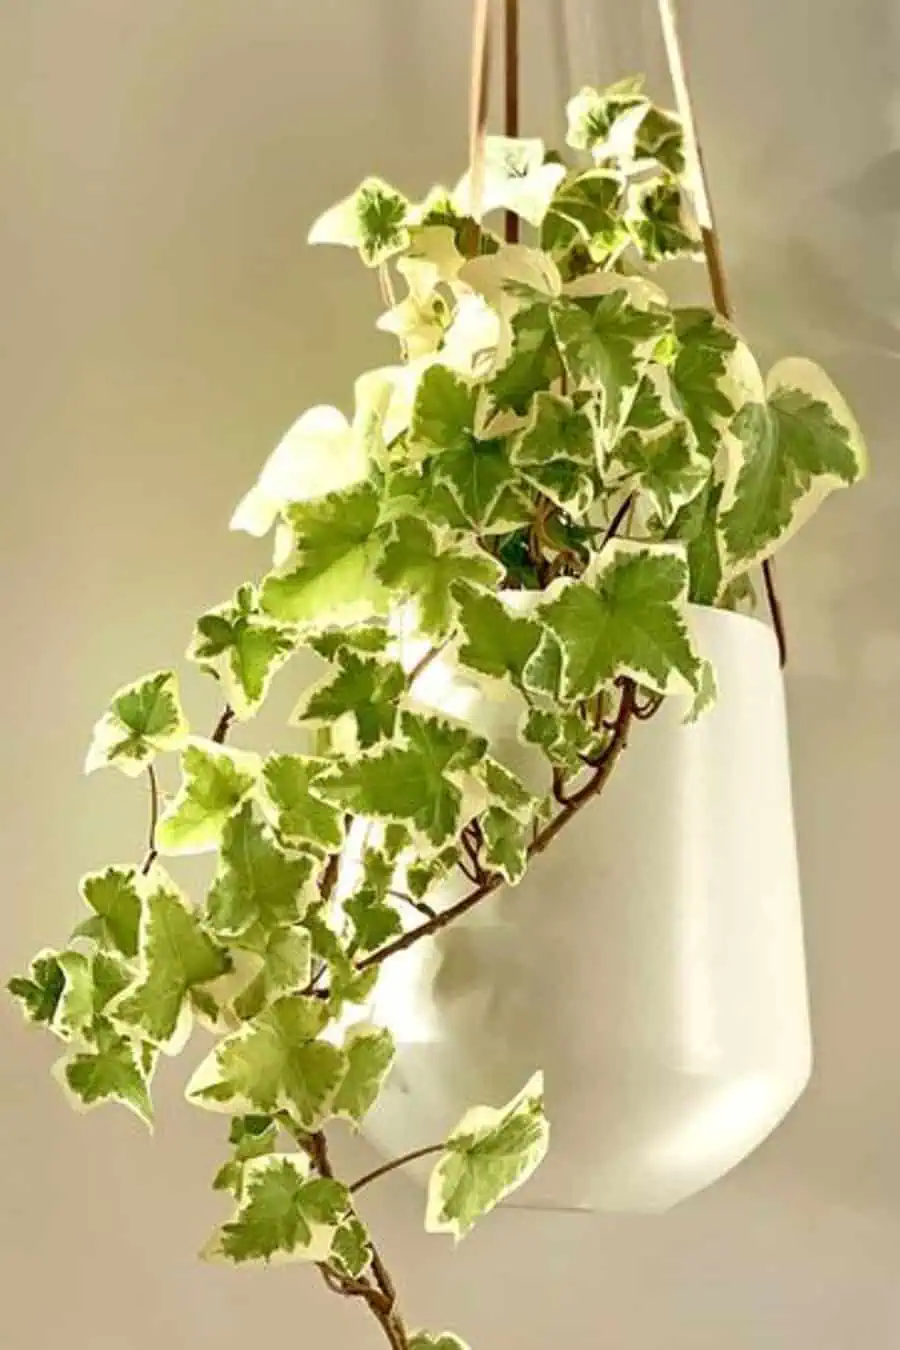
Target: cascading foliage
x=560, y=461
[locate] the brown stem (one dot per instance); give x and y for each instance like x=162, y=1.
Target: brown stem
x=152, y=852
x=392, y=1166
x=602, y=769
x=511, y=95
x=616, y=522
x=223, y=726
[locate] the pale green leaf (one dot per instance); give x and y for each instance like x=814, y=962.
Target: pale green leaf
x=251, y=1137
x=443, y=414
x=114, y=1069
x=370, y=1054
x=488, y=1155
x=697, y=524
x=411, y=781
x=351, y=1252
x=372, y=219
x=593, y=115
x=425, y=1340
x=243, y=648
x=625, y=617
x=506, y=841
x=330, y=575
x=274, y=1063
x=115, y=898
x=714, y=374
x=302, y=818
x=484, y=487
x=367, y=689
x=216, y=782
x=258, y=881
x=661, y=221
x=176, y=955
x=374, y=920
x=497, y=642
x=657, y=450
x=283, y=1213
x=423, y=564
x=144, y=718
x=557, y=452
x=533, y=364
x=586, y=213
x=286, y=956
x=515, y=178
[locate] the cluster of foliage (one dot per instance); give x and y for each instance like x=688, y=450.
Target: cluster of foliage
x=559, y=463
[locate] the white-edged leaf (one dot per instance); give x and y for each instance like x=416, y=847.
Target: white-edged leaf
x=370, y=1053
x=144, y=718
x=423, y=564
x=373, y=219
x=216, y=781
x=243, y=648
x=283, y=1214
x=515, y=178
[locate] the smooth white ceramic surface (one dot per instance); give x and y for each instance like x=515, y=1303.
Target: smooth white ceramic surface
x=651, y=962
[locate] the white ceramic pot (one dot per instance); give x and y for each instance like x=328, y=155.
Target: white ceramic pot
x=651, y=963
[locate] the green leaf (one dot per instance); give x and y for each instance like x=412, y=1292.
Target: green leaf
x=443, y=415
x=424, y=1340
x=606, y=341
x=796, y=449
x=243, y=648
x=143, y=719
x=302, y=818
x=251, y=1137
x=506, y=841
x=345, y=983
x=534, y=363
x=657, y=450
x=113, y=1070
x=411, y=781
x=497, y=642
x=423, y=565
x=286, y=955
x=481, y=483
x=215, y=784
x=176, y=955
x=330, y=577
x=489, y=1154
x=40, y=990
x=274, y=1063
x=372, y=219
x=585, y=212
x=697, y=523
x=662, y=223
x=712, y=372
x=592, y=117
x=370, y=1054
x=557, y=452
x=258, y=881
x=375, y=921
x=365, y=688
x=351, y=1252
x=282, y=1213
x=625, y=617
x=114, y=896
x=564, y=736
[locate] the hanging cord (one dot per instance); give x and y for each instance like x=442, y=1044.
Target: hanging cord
x=712, y=248
x=511, y=94
x=478, y=102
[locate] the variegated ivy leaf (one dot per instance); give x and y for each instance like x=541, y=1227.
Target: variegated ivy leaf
x=477, y=487
x=417, y=322
x=607, y=340
x=494, y=290
x=660, y=138
x=370, y=1054
x=365, y=638
x=319, y=454
x=564, y=736
x=625, y=616
x=422, y=564
x=115, y=898
x=534, y=363
x=431, y=258
x=507, y=790
x=351, y=1252
x=426, y=1340
x=411, y=781
x=285, y=957
x=258, y=881
x=364, y=688
x=90, y=983
x=346, y=984
x=586, y=213
x=657, y=450
x=375, y=921
x=40, y=990
x=114, y=1069
x=558, y=451
x=216, y=781
x=714, y=374
x=496, y=642
x=796, y=449
x=302, y=818
x=243, y=648
x=488, y=1155
x=592, y=116
x=443, y=415
x=250, y=1137
x=440, y=209
x=330, y=576
x=425, y=873
x=661, y=221
x=506, y=841
x=515, y=178
x=144, y=719
x=373, y=219
x=283, y=1213
x=176, y=954
x=697, y=524
x=274, y=1063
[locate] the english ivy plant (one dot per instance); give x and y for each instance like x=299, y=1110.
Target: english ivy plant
x=554, y=426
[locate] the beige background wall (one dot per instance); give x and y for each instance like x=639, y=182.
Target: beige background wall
x=162, y=323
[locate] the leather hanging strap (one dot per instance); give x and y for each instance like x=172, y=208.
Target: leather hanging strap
x=712, y=248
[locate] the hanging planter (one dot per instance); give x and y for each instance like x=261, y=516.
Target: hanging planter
x=540, y=826
x=651, y=961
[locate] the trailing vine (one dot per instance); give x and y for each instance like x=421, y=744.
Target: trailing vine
x=559, y=464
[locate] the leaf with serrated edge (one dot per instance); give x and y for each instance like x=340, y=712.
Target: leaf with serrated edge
x=506, y=842
x=274, y=1063
x=372, y=219
x=216, y=782
x=443, y=413
x=115, y=898
x=258, y=881
x=496, y=642
x=795, y=450
x=515, y=178
x=176, y=955
x=489, y=1154
x=111, y=1071
x=243, y=648
x=423, y=563
x=364, y=688
x=283, y=1214
x=657, y=450
x=370, y=1053
x=301, y=817
x=251, y=1137
x=144, y=718
x=40, y=990
x=626, y=616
